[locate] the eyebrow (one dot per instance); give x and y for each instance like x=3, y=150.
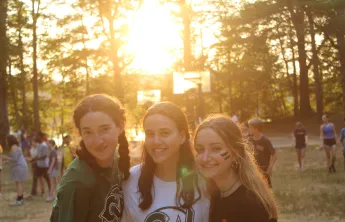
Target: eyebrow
x=158, y=129
x=104, y=125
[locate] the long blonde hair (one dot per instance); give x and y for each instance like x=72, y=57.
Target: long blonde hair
x=246, y=169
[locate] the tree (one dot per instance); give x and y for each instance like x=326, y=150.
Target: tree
x=35, y=14
x=4, y=123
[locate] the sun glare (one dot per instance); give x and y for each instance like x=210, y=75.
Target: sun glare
x=154, y=39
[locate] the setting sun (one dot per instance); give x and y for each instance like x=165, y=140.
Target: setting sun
x=154, y=38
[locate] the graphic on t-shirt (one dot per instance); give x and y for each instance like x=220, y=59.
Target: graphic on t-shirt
x=171, y=214
x=113, y=205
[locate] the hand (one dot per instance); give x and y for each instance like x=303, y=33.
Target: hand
x=49, y=171
x=269, y=171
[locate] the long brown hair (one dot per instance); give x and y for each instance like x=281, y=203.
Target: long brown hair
x=246, y=169
x=113, y=108
x=185, y=170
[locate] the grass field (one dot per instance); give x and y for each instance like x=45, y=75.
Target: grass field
x=312, y=195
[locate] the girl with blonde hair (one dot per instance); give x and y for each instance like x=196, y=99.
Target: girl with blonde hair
x=237, y=189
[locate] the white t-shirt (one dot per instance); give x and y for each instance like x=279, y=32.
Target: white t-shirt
x=163, y=207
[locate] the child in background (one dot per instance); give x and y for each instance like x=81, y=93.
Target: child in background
x=52, y=170
x=264, y=152
x=300, y=141
x=18, y=168
x=0, y=169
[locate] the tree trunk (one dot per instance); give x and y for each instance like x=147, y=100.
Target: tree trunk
x=340, y=35
x=297, y=17
x=22, y=71
x=315, y=62
x=4, y=123
x=294, y=76
x=35, y=15
x=13, y=93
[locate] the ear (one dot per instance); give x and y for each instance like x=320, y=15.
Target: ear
x=183, y=137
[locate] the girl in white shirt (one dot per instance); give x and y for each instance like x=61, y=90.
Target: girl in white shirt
x=165, y=187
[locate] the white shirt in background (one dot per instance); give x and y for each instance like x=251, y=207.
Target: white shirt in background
x=163, y=207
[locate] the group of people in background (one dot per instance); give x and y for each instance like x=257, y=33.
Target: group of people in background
x=329, y=141
x=42, y=155
x=222, y=173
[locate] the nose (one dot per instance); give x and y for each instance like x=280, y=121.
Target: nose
x=97, y=140
x=156, y=139
x=205, y=156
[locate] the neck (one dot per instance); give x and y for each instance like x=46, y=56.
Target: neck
x=226, y=181
x=106, y=163
x=166, y=171
x=257, y=135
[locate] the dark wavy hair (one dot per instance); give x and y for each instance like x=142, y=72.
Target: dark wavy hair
x=113, y=108
x=185, y=170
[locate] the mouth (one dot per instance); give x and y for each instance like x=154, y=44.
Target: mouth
x=159, y=150
x=209, y=166
x=102, y=148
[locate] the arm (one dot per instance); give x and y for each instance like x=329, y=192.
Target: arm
x=335, y=133
x=72, y=204
x=306, y=139
x=273, y=158
x=52, y=164
x=342, y=132
x=293, y=139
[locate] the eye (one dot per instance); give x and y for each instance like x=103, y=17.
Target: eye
x=165, y=133
x=105, y=129
x=87, y=132
x=217, y=148
x=199, y=149
x=148, y=134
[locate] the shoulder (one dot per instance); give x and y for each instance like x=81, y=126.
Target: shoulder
x=266, y=139
x=251, y=203
x=79, y=171
x=133, y=178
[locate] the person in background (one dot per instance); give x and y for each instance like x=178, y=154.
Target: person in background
x=34, y=170
x=18, y=168
x=42, y=158
x=1, y=151
x=52, y=170
x=300, y=141
x=329, y=139
x=68, y=153
x=264, y=152
x=342, y=140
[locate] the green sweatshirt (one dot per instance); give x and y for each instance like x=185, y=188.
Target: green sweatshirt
x=87, y=194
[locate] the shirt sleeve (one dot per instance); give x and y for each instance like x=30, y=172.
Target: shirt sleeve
x=71, y=204
x=270, y=147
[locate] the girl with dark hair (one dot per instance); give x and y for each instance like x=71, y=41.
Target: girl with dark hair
x=165, y=186
x=300, y=141
x=18, y=168
x=238, y=191
x=90, y=189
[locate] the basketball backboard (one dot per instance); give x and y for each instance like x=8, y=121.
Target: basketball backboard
x=184, y=81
